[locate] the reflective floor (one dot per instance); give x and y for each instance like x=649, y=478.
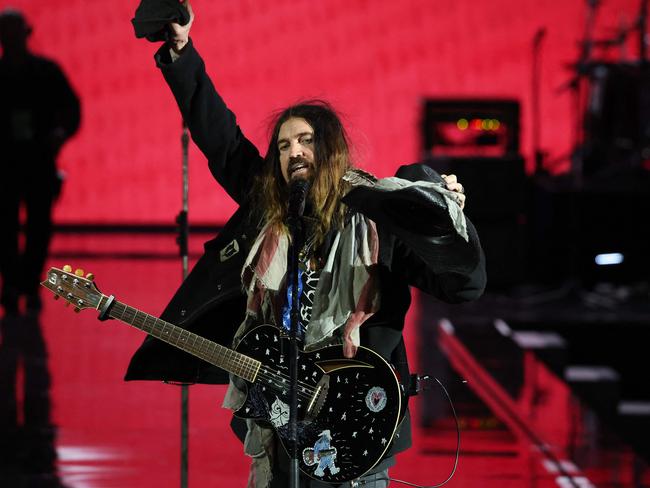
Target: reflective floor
x=69, y=419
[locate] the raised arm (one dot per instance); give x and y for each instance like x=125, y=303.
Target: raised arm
x=232, y=158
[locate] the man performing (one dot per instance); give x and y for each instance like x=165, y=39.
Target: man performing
x=367, y=240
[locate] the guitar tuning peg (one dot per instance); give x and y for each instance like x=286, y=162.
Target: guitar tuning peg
x=56, y=297
x=67, y=268
x=77, y=309
x=90, y=276
x=79, y=272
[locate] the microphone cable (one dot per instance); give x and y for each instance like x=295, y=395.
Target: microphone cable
x=358, y=484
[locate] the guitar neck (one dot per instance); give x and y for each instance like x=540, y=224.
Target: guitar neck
x=216, y=354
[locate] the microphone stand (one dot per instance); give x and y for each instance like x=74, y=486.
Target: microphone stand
x=182, y=241
x=296, y=228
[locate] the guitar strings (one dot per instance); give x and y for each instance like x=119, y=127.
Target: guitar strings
x=304, y=389
x=283, y=377
x=280, y=388
x=305, y=392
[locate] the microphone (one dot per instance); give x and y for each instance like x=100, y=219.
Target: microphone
x=298, y=189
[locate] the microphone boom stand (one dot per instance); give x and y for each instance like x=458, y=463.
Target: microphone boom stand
x=297, y=196
x=297, y=238
x=182, y=241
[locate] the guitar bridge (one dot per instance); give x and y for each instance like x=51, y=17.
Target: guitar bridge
x=318, y=398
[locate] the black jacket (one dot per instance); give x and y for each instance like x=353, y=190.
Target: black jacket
x=36, y=102
x=211, y=303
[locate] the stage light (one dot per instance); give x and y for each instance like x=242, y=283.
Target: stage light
x=462, y=124
x=609, y=259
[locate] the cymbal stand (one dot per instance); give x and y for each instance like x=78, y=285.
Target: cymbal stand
x=535, y=99
x=586, y=46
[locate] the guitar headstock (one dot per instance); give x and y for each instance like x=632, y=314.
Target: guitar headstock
x=75, y=288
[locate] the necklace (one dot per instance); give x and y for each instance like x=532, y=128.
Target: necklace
x=305, y=252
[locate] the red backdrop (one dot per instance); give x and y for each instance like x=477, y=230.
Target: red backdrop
x=375, y=60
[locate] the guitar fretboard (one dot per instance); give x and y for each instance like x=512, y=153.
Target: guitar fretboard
x=223, y=357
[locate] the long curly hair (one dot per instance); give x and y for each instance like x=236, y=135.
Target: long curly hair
x=332, y=159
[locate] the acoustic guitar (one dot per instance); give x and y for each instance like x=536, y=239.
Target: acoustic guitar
x=348, y=409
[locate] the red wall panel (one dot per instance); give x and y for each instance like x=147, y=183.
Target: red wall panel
x=375, y=60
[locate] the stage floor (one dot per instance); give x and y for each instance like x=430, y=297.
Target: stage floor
x=70, y=419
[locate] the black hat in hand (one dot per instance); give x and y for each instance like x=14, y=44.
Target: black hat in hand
x=152, y=16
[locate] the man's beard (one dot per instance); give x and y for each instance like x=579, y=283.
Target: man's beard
x=297, y=162
x=310, y=176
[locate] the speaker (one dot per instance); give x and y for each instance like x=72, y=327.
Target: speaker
x=495, y=189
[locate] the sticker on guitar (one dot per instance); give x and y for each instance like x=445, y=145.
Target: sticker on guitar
x=279, y=414
x=376, y=399
x=322, y=454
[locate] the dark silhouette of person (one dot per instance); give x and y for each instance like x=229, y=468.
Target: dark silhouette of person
x=39, y=111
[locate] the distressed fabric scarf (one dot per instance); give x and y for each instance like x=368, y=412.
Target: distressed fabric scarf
x=347, y=295
x=386, y=186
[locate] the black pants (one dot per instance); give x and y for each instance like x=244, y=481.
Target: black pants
x=21, y=271
x=377, y=478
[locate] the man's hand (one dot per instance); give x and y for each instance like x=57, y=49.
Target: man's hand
x=180, y=34
x=454, y=185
